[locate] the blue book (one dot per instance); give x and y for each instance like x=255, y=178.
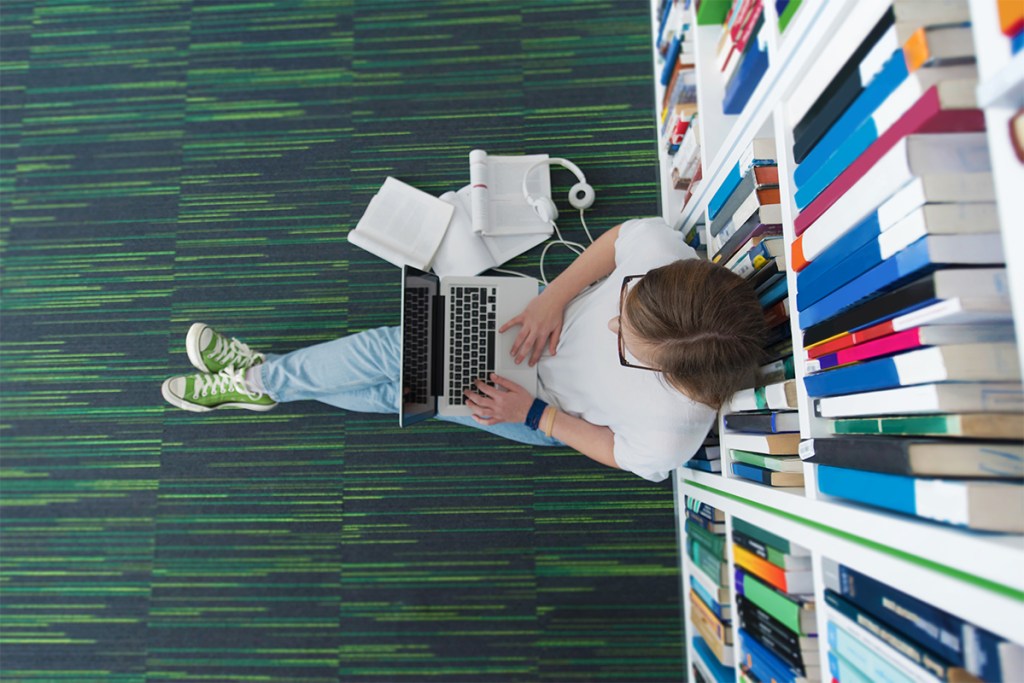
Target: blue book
x=880, y=87
x=865, y=232
x=721, y=673
x=916, y=260
x=712, y=466
x=766, y=665
x=724, y=191
x=670, y=59
x=975, y=504
x=712, y=604
x=842, y=670
x=773, y=294
x=949, y=637
x=746, y=78
x=866, y=659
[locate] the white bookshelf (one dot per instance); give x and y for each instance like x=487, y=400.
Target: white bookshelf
x=975, y=576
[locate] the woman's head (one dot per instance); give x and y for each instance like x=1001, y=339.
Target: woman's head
x=700, y=325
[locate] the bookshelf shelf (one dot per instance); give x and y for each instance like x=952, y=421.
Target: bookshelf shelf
x=974, y=576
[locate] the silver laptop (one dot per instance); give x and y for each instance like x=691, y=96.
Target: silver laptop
x=450, y=339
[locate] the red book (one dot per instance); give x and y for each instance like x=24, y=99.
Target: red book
x=925, y=116
x=848, y=339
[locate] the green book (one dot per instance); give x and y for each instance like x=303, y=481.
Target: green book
x=712, y=11
x=968, y=425
x=768, y=538
x=705, y=559
x=777, y=463
x=787, y=14
x=795, y=614
x=714, y=542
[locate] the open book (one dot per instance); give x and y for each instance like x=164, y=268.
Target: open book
x=498, y=206
x=406, y=226
x=402, y=225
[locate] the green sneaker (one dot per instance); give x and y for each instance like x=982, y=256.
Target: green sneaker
x=210, y=351
x=204, y=392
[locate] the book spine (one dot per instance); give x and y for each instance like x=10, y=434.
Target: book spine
x=714, y=542
x=704, y=558
x=771, y=601
x=771, y=633
x=762, y=568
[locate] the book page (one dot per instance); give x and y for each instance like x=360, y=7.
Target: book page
x=498, y=186
x=402, y=225
x=462, y=251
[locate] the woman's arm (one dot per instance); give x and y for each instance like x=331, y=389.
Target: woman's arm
x=541, y=321
x=509, y=402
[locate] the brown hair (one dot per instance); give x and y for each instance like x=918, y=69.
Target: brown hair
x=704, y=326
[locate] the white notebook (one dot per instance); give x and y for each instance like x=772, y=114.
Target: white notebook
x=403, y=225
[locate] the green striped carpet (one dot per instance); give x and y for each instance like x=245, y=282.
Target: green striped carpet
x=167, y=161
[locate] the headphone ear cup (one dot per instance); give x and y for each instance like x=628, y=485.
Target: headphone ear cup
x=581, y=196
x=545, y=208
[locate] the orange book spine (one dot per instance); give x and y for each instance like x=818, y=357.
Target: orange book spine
x=763, y=569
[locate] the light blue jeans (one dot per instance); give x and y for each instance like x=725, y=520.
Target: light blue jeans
x=361, y=373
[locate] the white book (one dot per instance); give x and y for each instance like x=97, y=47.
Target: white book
x=777, y=396
x=915, y=156
x=767, y=444
x=953, y=397
x=767, y=214
x=402, y=225
x=957, y=311
x=464, y=252
x=973, y=221
x=499, y=207
x=958, y=362
x=973, y=188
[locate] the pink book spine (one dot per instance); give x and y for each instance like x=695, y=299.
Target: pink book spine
x=925, y=116
x=883, y=346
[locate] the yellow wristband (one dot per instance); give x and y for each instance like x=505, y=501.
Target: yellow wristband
x=549, y=420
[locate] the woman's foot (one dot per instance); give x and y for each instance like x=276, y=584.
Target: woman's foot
x=210, y=351
x=203, y=392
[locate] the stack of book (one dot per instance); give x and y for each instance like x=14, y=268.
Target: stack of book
x=746, y=205
x=686, y=160
x=901, y=291
x=710, y=609
x=741, y=56
x=708, y=457
x=676, y=51
x=763, y=447
x=877, y=633
x=777, y=633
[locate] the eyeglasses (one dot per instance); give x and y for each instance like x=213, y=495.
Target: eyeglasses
x=622, y=344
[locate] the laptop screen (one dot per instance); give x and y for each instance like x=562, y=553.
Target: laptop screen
x=419, y=317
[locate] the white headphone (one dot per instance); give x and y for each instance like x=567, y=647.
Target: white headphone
x=581, y=195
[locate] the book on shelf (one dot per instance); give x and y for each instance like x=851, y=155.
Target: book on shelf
x=1008, y=426
x=876, y=663
x=953, y=363
x=707, y=561
x=760, y=152
x=799, y=581
x=777, y=371
x=892, y=92
x=777, y=396
x=715, y=543
x=767, y=275
x=866, y=245
x=707, y=452
x=714, y=527
x=783, y=545
x=776, y=463
x=712, y=466
x=760, y=185
x=905, y=151
x=710, y=12
x=920, y=399
x=765, y=665
x=725, y=244
x=770, y=249
x=919, y=457
x=717, y=592
x=720, y=650
x=794, y=612
x=885, y=638
x=772, y=295
x=777, y=314
x=764, y=422
x=763, y=475
x=975, y=290
x=955, y=640
x=982, y=505
x=704, y=510
x=797, y=651
x=770, y=553
x=737, y=36
x=752, y=66
x=720, y=629
x=784, y=443
x=721, y=609
x=713, y=669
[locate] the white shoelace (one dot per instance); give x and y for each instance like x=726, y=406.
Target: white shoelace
x=231, y=351
x=223, y=382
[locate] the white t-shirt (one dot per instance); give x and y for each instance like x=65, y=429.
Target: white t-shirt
x=656, y=427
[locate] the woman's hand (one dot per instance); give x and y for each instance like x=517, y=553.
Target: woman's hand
x=504, y=402
x=541, y=323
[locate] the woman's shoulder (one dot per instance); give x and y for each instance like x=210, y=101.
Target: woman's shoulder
x=650, y=242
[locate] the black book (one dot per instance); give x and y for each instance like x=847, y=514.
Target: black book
x=764, y=423
x=838, y=95
x=917, y=457
x=740, y=237
x=890, y=304
x=770, y=632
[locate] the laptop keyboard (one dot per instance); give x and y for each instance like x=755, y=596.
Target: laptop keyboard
x=416, y=335
x=473, y=330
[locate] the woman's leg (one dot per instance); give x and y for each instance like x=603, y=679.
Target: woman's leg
x=360, y=372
